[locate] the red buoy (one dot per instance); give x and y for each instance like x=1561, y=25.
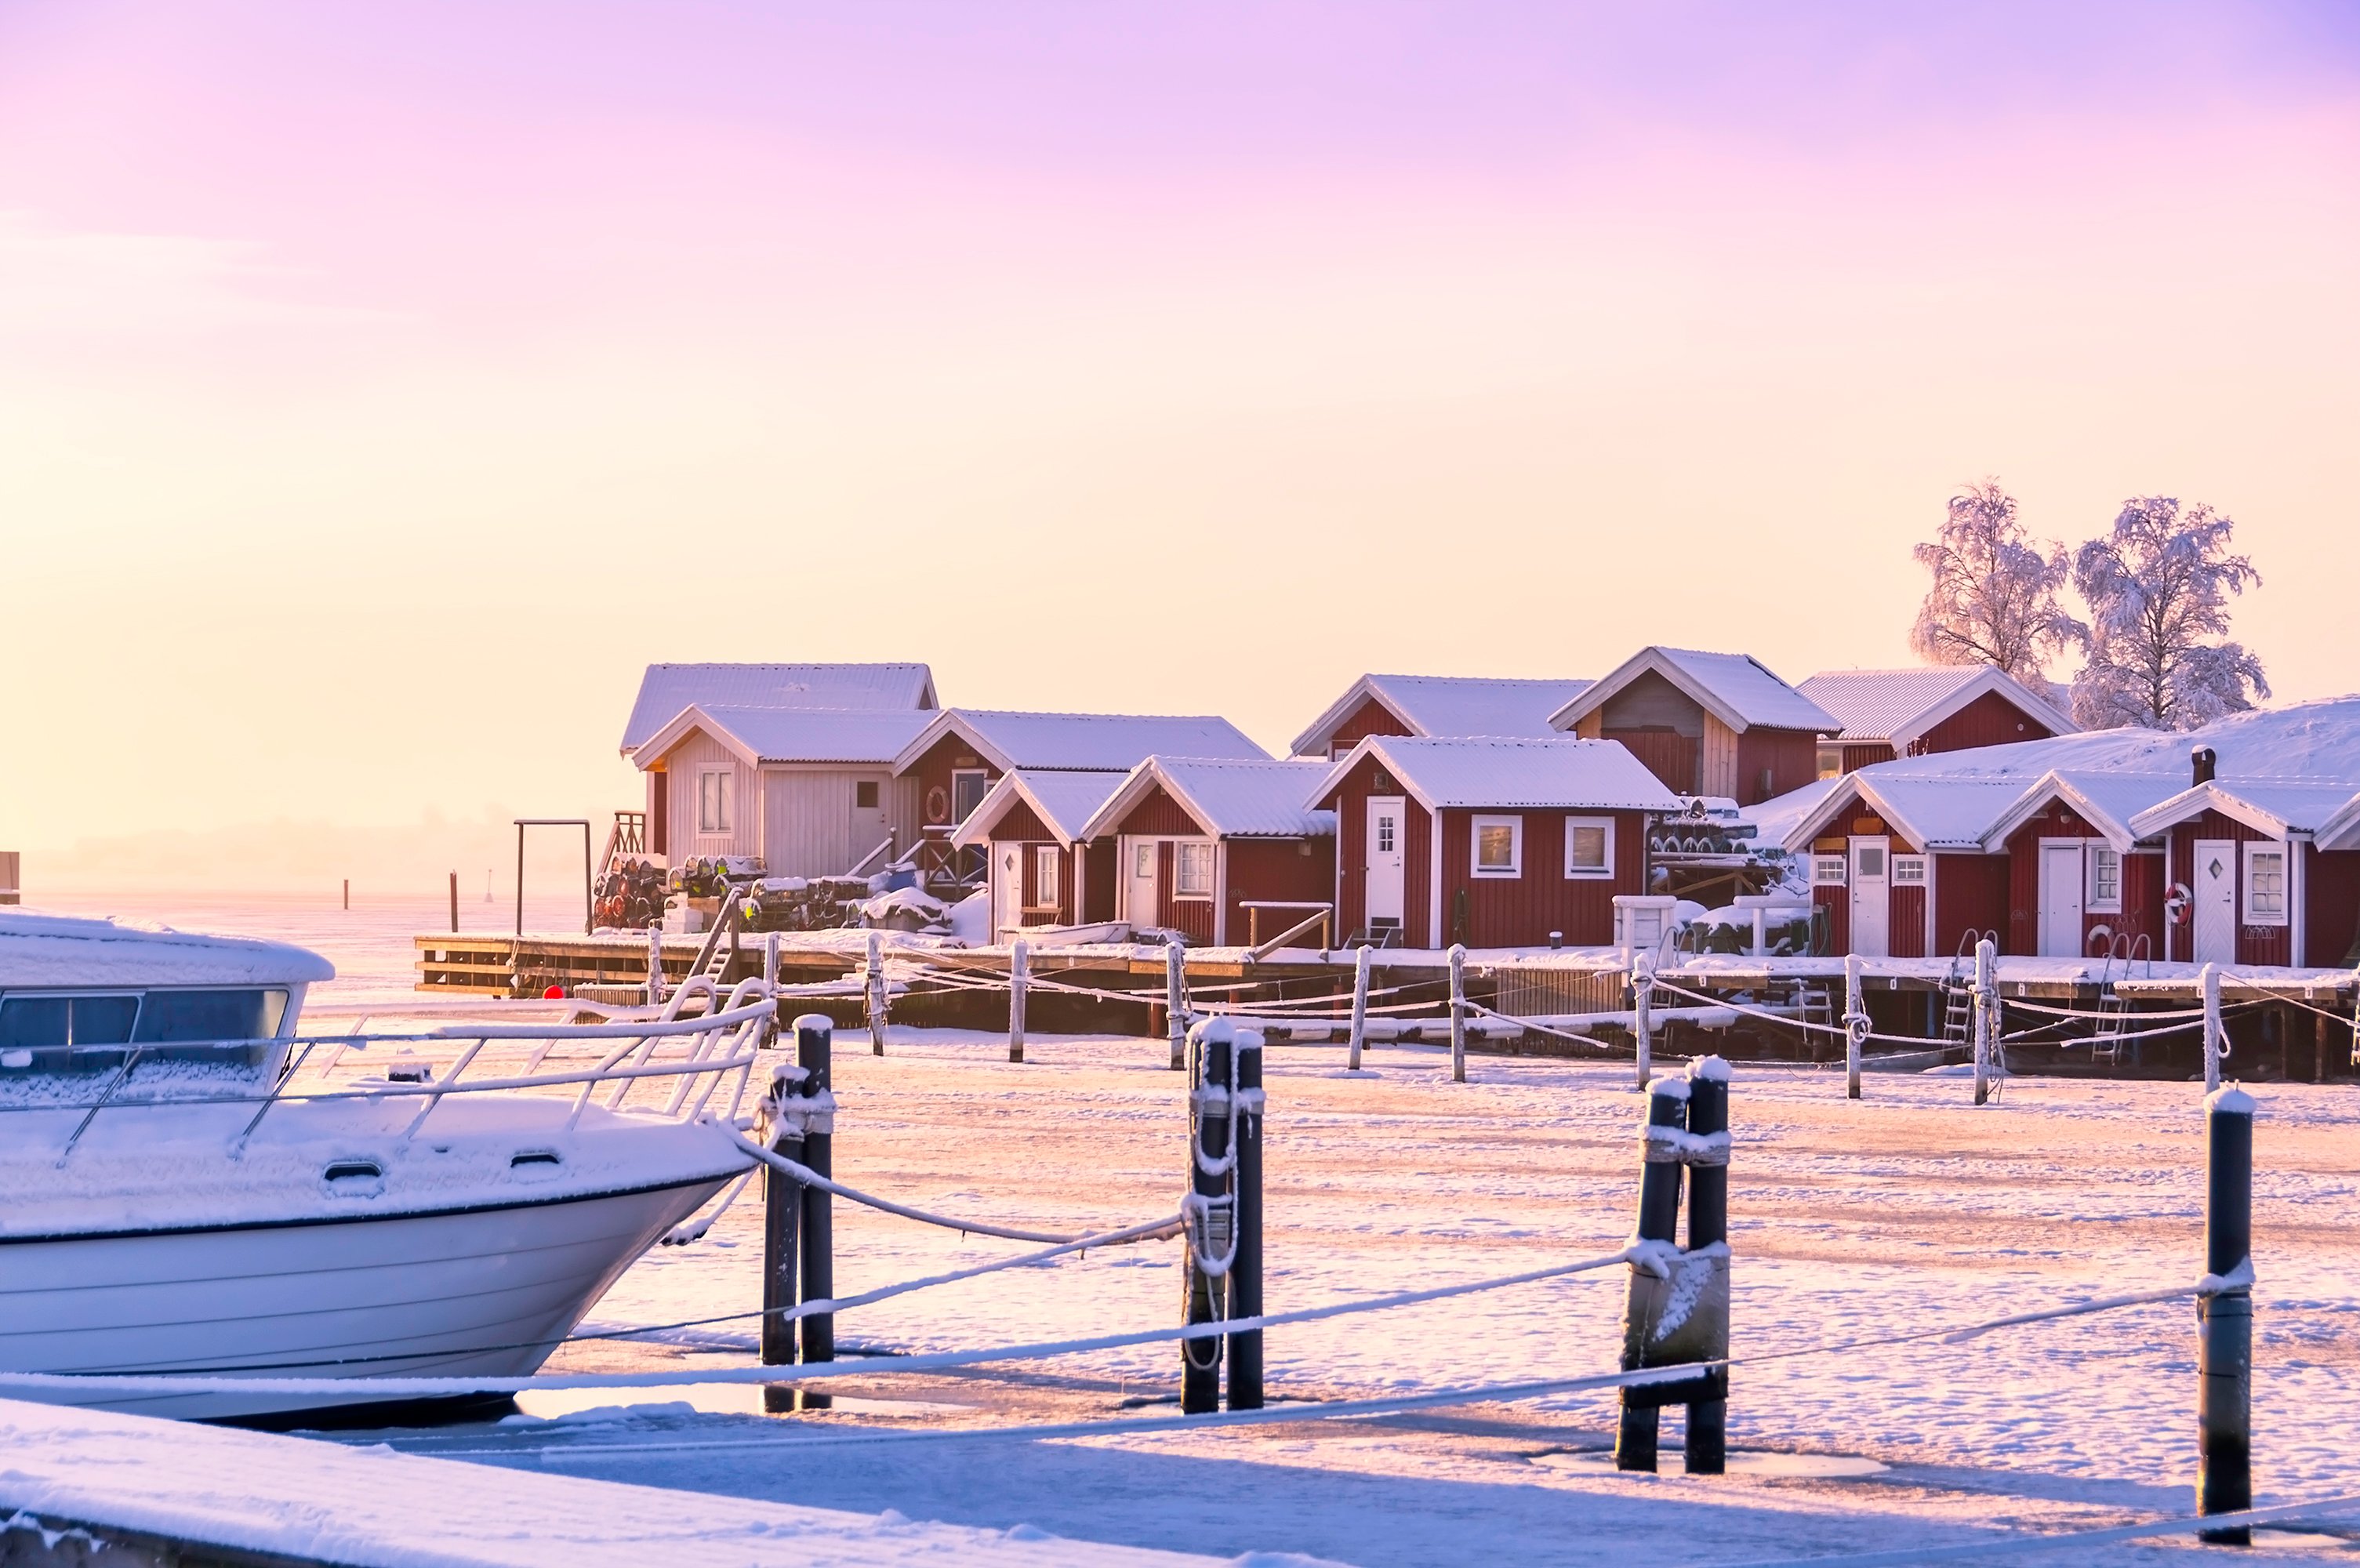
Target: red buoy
x=554, y=994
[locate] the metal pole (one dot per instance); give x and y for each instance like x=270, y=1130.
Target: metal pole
x=1019, y=972
x=520, y=930
x=2225, y=1317
x=1642, y=1015
x=876, y=999
x=782, y=1213
x=1659, y=1219
x=1983, y=1030
x=1855, y=1025
x=814, y=1046
x=1360, y=1009
x=589, y=904
x=1211, y=1209
x=455, y=903
x=1245, y=1274
x=2211, y=980
x=1175, y=1004
x=1458, y=1013
x=1708, y=1427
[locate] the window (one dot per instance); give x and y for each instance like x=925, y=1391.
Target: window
x=208, y=1015
x=714, y=787
x=1143, y=861
x=2265, y=884
x=864, y=795
x=2105, y=890
x=1044, y=875
x=1192, y=870
x=1827, y=871
x=1499, y=847
x=967, y=790
x=1909, y=871
x=1590, y=846
x=1872, y=860
x=1830, y=761
x=1384, y=833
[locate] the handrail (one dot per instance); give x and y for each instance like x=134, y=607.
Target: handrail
x=1263, y=950
x=728, y=923
x=862, y=863
x=696, y=1025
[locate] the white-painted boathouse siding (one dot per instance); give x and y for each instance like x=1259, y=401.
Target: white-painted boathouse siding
x=811, y=827
x=697, y=754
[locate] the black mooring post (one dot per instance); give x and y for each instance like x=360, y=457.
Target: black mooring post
x=1214, y=1214
x=815, y=1043
x=783, y=1214
x=2224, y=1318
x=1708, y=1427
x=1659, y=1219
x=1245, y=1274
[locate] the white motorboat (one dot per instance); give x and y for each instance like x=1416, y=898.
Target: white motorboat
x=194, y=1187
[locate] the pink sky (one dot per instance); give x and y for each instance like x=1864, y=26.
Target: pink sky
x=380, y=387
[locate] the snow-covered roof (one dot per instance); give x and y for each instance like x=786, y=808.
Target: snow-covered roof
x=1509, y=774
x=39, y=949
x=2273, y=806
x=1448, y=705
x=850, y=735
x=666, y=689
x=1737, y=689
x=1064, y=799
x=1097, y=741
x=1896, y=706
x=1229, y=797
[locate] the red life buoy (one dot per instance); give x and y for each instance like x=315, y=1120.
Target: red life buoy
x=2176, y=900
x=938, y=805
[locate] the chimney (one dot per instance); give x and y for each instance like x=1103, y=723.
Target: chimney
x=2199, y=765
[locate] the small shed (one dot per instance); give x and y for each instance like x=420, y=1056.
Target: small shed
x=1492, y=842
x=2253, y=864
x=666, y=689
x=1205, y=844
x=1040, y=867
x=1887, y=713
x=1436, y=705
x=1705, y=724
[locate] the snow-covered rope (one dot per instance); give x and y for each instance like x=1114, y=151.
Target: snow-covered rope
x=2077, y=1539
x=811, y=1177
x=1917, y=1042
x=1480, y=1010
x=2023, y=1007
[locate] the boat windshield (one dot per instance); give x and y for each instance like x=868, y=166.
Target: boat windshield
x=96, y=1031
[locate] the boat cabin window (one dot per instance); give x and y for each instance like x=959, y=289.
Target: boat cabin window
x=153, y=1018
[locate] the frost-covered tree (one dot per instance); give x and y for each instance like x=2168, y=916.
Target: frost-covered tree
x=2159, y=589
x=1995, y=596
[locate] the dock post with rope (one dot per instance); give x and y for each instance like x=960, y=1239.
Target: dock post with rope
x=1175, y=1004
x=815, y=1051
x=1019, y=976
x=2215, y=1044
x=1642, y=1020
x=1246, y=1273
x=1707, y=1159
x=1986, y=1025
x=1212, y=1233
x=879, y=1004
x=1676, y=1311
x=1659, y=1219
x=1359, y=1030
x=783, y=1218
x=1856, y=1025
x=1458, y=1013
x=2224, y=1312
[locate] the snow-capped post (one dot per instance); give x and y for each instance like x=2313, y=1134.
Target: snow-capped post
x=769, y=958
x=2210, y=979
x=1211, y=1208
x=782, y=1210
x=1659, y=1219
x=1458, y=1013
x=1019, y=973
x=1642, y=1016
x=1855, y=1025
x=1360, y=1008
x=1708, y=1160
x=655, y=966
x=876, y=999
x=1245, y=1274
x=815, y=1048
x=1176, y=1002
x=1985, y=1026
x=2224, y=1316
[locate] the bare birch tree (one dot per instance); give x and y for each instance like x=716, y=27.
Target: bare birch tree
x=1994, y=595
x=2159, y=588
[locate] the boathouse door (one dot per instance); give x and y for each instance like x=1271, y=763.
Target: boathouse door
x=2060, y=899
x=1388, y=861
x=1872, y=900
x=2215, y=916
x=1140, y=906
x=1007, y=888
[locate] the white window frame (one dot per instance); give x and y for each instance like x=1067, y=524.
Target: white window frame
x=2092, y=901
x=2255, y=849
x=1831, y=870
x=1046, y=873
x=1906, y=870
x=1828, y=762
x=1589, y=873
x=1516, y=866
x=1181, y=849
x=717, y=822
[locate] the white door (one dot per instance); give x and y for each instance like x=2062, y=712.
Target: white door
x=1007, y=888
x=1871, y=904
x=2216, y=901
x=1388, y=881
x=870, y=821
x=1139, y=905
x=2060, y=900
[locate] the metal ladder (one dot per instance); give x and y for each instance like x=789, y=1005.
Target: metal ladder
x=1958, y=997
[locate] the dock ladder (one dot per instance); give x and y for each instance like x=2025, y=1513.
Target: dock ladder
x=1959, y=993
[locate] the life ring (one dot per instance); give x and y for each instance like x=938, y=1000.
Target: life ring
x=938, y=805
x=2177, y=898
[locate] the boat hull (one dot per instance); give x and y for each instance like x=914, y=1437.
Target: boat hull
x=483, y=1291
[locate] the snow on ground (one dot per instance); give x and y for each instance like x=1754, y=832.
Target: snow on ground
x=1910, y=1209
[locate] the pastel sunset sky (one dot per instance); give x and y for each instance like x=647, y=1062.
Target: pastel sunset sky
x=382, y=387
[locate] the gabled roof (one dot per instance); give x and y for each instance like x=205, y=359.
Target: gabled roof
x=1484, y=773
x=1932, y=814
x=2341, y=830
x=856, y=736
x=2273, y=806
x=1228, y=798
x=1064, y=799
x=666, y=689
x=1448, y=705
x=1104, y=741
x=2108, y=801
x=1897, y=707
x=1735, y=688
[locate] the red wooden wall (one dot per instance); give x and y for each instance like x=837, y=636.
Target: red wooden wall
x=1905, y=922
x=2332, y=912
x=1158, y=813
x=1102, y=864
x=1990, y=720
x=1295, y=869
x=2020, y=933
x=2255, y=944
x=1858, y=756
x=1671, y=756
x=1971, y=893
x=1791, y=756
x=1371, y=717
x=1521, y=911
x=1349, y=801
x=947, y=755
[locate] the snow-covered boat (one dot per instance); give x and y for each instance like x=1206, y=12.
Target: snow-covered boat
x=194, y=1187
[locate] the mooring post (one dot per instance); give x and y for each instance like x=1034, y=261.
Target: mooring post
x=2225, y=1317
x=1659, y=1220
x=877, y=1000
x=2210, y=981
x=1642, y=1016
x=1360, y=1009
x=655, y=966
x=455, y=929
x=815, y=1048
x=1245, y=1274
x=1019, y=972
x=1984, y=1025
x=769, y=958
x=1707, y=1428
x=1176, y=1002
x=782, y=1214
x=1855, y=1026
x=1458, y=1013
x=1211, y=1230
